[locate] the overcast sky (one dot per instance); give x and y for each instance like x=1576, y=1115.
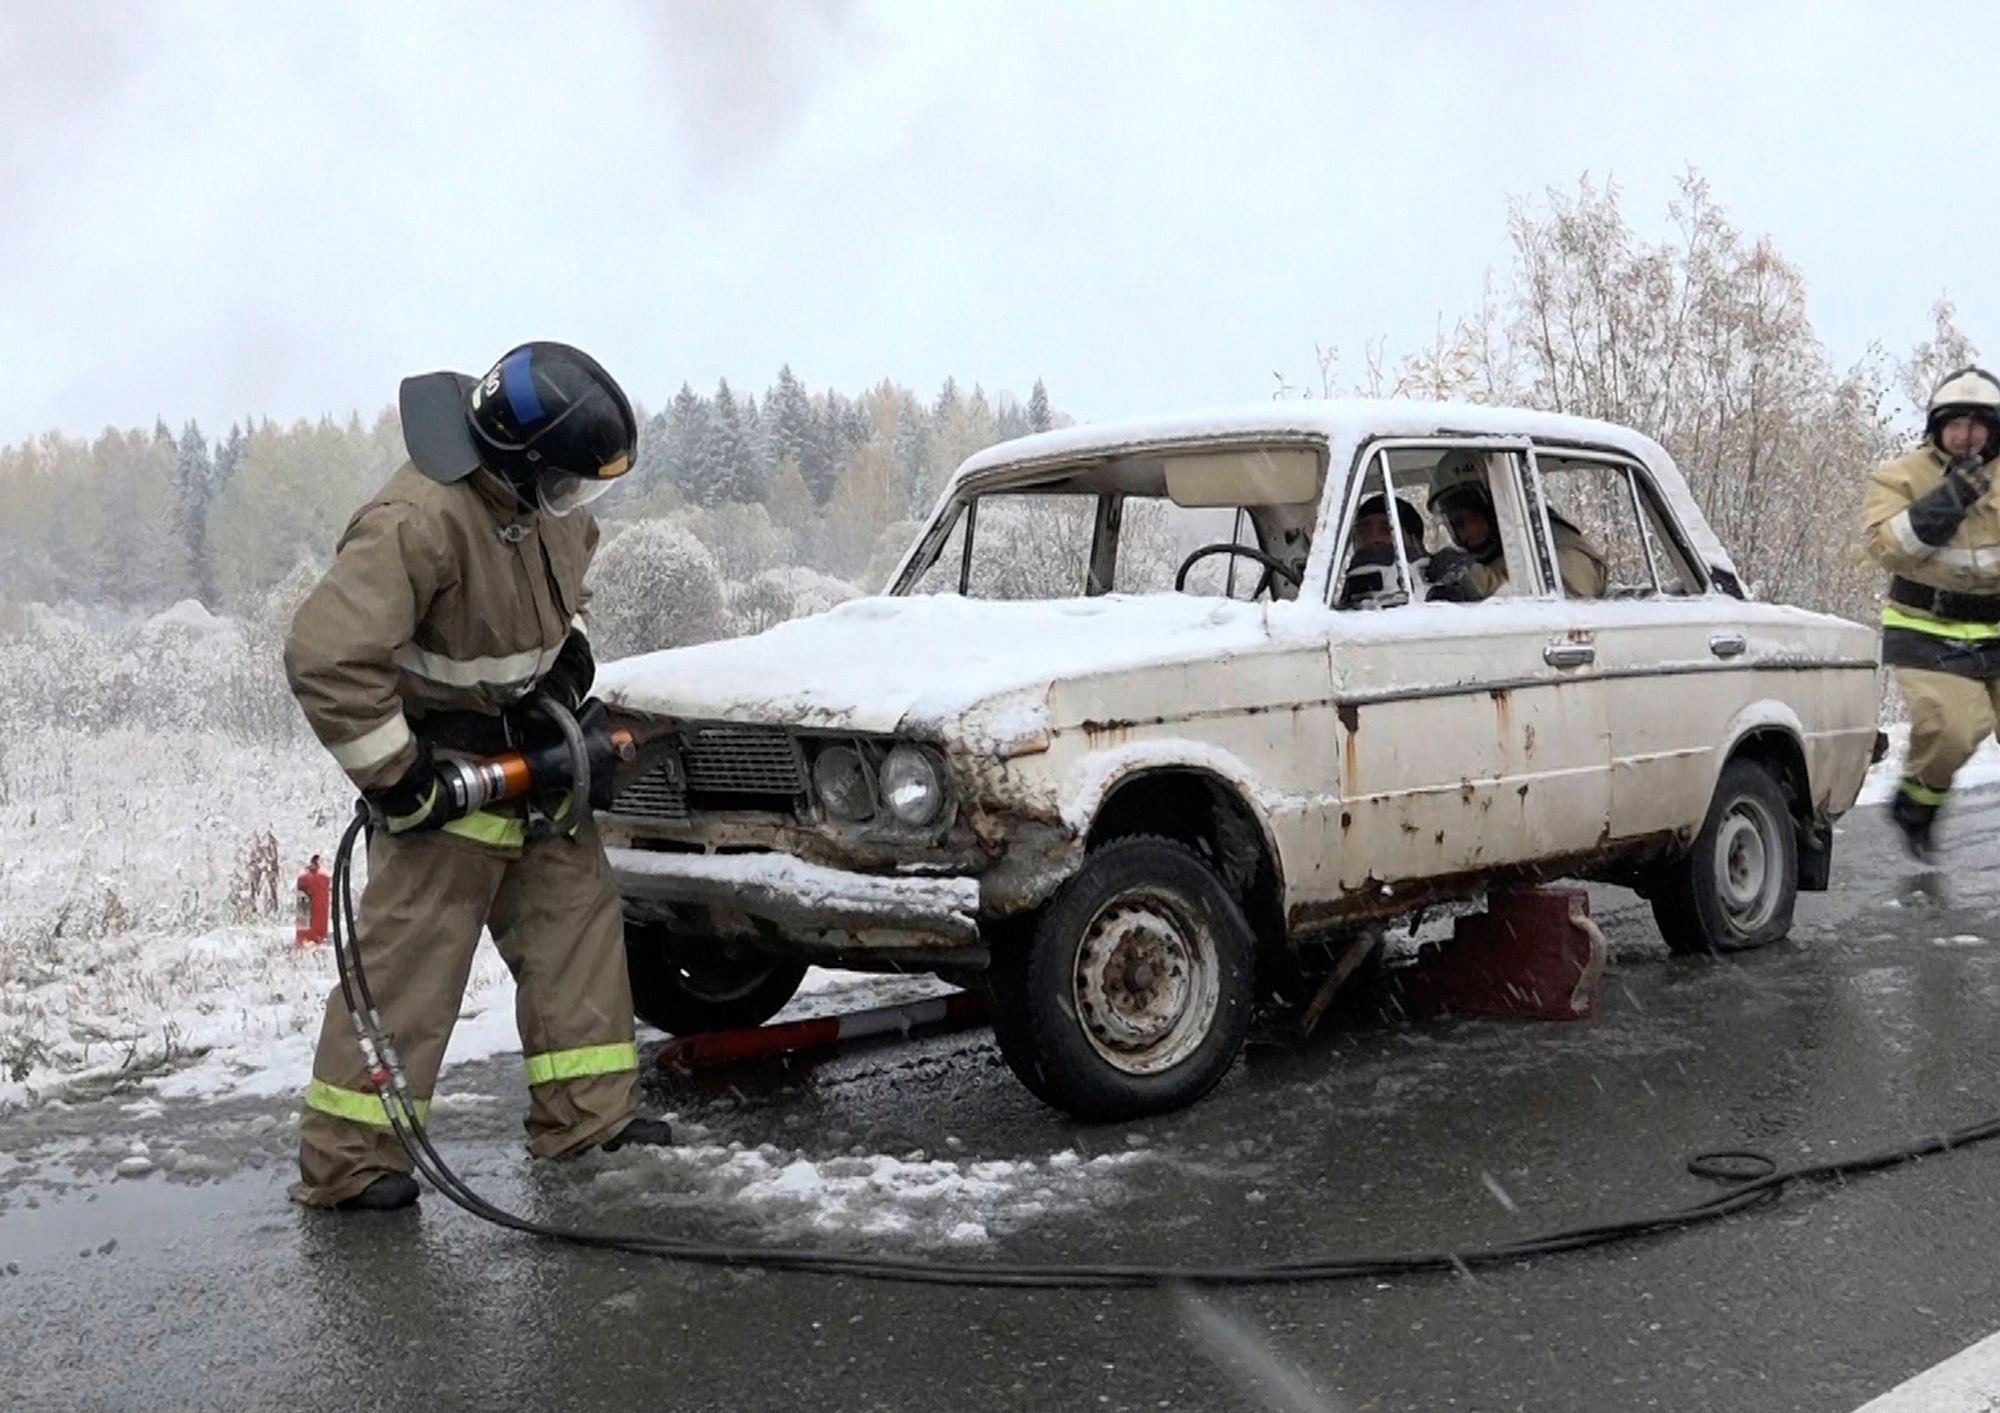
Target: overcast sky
x=215, y=209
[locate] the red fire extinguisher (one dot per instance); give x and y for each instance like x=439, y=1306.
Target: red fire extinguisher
x=314, y=905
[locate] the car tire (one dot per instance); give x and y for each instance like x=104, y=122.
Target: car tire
x=1133, y=994
x=1735, y=889
x=1009, y=944
x=689, y=990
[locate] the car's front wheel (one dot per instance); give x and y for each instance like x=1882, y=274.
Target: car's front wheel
x=687, y=989
x=1735, y=889
x=1133, y=993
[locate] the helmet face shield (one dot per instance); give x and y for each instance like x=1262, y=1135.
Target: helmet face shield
x=560, y=492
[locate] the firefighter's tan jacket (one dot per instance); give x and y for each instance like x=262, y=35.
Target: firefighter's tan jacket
x=1583, y=570
x=441, y=597
x=1967, y=563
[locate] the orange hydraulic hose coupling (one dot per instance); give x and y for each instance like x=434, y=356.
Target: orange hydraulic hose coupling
x=470, y=785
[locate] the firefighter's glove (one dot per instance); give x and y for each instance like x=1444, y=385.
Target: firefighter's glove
x=1935, y=518
x=416, y=803
x=1449, y=574
x=1967, y=476
x=568, y=680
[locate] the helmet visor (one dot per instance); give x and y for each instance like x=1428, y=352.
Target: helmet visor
x=560, y=492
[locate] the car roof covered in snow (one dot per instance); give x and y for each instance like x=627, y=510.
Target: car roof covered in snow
x=1343, y=424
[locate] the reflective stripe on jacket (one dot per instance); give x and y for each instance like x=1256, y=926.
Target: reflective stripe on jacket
x=439, y=598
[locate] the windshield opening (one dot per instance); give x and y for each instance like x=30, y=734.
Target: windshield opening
x=1236, y=524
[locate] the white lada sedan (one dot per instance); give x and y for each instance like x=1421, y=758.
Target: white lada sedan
x=1155, y=716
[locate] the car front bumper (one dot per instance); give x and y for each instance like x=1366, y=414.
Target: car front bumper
x=787, y=904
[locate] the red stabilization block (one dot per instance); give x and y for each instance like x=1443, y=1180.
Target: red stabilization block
x=686, y=1053
x=1534, y=954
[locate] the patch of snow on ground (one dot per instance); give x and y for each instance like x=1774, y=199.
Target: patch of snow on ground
x=915, y=1197
x=1880, y=786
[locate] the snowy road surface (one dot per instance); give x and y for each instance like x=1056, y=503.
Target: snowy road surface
x=148, y=1258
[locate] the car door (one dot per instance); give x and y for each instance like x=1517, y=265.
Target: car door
x=1671, y=651
x=1470, y=737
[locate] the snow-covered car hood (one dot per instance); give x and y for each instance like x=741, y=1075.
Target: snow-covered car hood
x=889, y=664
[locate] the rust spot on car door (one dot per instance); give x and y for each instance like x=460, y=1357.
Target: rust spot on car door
x=1350, y=745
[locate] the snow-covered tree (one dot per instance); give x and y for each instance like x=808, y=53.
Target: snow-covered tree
x=1038, y=408
x=194, y=487
x=654, y=586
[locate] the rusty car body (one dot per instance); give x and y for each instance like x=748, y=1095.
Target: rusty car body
x=1120, y=743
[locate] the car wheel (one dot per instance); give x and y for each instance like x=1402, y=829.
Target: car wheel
x=686, y=989
x=1134, y=992
x=1736, y=888
x=1009, y=945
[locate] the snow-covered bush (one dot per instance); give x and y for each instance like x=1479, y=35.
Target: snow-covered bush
x=778, y=595
x=654, y=586
x=743, y=539
x=184, y=668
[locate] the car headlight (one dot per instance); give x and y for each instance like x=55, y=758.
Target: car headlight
x=911, y=786
x=842, y=782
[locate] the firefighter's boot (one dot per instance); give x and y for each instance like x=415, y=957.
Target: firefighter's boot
x=641, y=1133
x=1915, y=818
x=390, y=1192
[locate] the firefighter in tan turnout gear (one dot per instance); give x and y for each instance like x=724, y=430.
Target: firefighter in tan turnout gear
x=454, y=601
x=1475, y=567
x=1932, y=522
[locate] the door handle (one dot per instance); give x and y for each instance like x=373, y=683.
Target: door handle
x=1727, y=644
x=1563, y=653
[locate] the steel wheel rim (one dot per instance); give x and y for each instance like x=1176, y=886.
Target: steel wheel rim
x=1147, y=982
x=1747, y=865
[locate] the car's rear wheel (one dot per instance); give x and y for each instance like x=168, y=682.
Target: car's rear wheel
x=1133, y=994
x=687, y=988
x=1735, y=889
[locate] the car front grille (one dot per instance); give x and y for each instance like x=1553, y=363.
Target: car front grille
x=744, y=760
x=720, y=767
x=658, y=794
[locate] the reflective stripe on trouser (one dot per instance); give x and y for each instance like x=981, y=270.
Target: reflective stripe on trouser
x=581, y=1063
x=1949, y=716
x=555, y=919
x=358, y=1107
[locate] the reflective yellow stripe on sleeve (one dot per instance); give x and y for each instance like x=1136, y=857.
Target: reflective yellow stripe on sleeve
x=582, y=1062
x=355, y=1106
x=1895, y=617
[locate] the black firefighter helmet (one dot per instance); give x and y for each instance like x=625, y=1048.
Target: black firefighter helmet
x=547, y=419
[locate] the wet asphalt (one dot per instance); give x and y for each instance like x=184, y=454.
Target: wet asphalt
x=1876, y=1023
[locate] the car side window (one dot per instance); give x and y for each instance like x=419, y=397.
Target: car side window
x=1430, y=523
x=1611, y=537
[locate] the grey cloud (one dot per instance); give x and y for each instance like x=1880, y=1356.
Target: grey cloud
x=739, y=75
x=60, y=65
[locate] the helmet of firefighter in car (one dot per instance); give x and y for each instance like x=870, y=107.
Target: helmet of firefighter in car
x=1460, y=476
x=1969, y=392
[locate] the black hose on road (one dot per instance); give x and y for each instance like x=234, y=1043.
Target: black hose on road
x=1756, y=1177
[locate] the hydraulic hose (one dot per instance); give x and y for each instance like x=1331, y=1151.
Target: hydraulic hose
x=1756, y=1177
x=579, y=756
